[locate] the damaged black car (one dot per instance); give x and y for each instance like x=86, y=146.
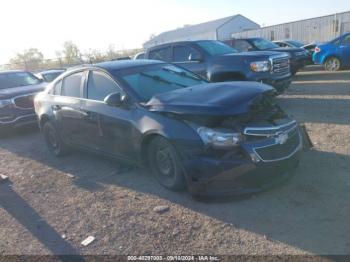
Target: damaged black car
x=215, y=139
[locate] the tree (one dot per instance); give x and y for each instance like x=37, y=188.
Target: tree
x=94, y=56
x=30, y=59
x=71, y=53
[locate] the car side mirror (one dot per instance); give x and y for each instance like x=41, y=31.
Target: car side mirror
x=115, y=99
x=195, y=57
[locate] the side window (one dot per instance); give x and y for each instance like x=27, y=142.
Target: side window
x=162, y=54
x=56, y=90
x=184, y=53
x=100, y=85
x=71, y=85
x=242, y=45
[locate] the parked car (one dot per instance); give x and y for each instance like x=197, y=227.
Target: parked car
x=289, y=43
x=298, y=56
x=218, y=62
x=215, y=138
x=139, y=56
x=17, y=91
x=49, y=75
x=298, y=44
x=335, y=54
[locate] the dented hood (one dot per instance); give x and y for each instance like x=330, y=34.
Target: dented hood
x=229, y=98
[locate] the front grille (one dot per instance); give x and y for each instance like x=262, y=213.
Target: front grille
x=280, y=151
x=280, y=65
x=25, y=102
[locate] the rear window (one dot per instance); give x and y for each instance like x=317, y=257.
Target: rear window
x=17, y=79
x=163, y=54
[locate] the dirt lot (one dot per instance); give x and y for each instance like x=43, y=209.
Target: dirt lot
x=51, y=204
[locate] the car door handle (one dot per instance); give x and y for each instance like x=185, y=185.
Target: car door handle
x=56, y=107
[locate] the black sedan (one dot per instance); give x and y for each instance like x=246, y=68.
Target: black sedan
x=17, y=91
x=215, y=138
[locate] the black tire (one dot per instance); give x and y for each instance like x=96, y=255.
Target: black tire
x=332, y=64
x=53, y=140
x=165, y=164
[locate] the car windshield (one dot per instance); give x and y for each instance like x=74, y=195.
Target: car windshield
x=295, y=43
x=16, y=79
x=49, y=77
x=263, y=44
x=152, y=80
x=216, y=48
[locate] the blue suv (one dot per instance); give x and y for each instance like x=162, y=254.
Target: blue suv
x=335, y=54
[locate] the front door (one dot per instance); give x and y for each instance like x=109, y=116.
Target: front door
x=107, y=129
x=344, y=49
x=189, y=58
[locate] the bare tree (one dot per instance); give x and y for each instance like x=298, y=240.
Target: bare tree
x=30, y=59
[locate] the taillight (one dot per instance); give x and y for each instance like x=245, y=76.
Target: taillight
x=317, y=49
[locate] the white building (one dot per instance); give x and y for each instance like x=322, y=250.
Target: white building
x=319, y=29
x=220, y=29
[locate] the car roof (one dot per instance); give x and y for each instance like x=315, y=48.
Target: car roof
x=115, y=65
x=123, y=64
x=13, y=71
x=181, y=42
x=52, y=71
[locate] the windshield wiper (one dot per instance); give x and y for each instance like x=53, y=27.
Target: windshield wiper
x=182, y=73
x=160, y=79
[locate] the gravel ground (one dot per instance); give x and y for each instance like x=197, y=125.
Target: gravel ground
x=51, y=204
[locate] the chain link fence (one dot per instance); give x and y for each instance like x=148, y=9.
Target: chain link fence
x=65, y=62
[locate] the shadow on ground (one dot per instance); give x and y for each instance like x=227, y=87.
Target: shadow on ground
x=310, y=212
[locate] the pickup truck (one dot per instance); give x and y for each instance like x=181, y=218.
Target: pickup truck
x=218, y=62
x=298, y=56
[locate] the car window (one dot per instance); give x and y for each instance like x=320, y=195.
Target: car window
x=184, y=53
x=71, y=85
x=17, y=79
x=100, y=85
x=56, y=90
x=242, y=45
x=263, y=44
x=152, y=80
x=163, y=54
x=216, y=47
x=346, y=40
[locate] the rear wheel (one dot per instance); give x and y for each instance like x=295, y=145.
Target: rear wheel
x=165, y=164
x=332, y=64
x=53, y=140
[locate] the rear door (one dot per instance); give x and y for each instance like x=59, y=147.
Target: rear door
x=189, y=58
x=107, y=129
x=66, y=107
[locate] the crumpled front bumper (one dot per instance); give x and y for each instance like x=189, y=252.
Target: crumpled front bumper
x=238, y=173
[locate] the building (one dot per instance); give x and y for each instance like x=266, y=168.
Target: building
x=319, y=29
x=220, y=29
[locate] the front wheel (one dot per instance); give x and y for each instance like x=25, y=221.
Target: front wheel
x=165, y=164
x=53, y=140
x=332, y=64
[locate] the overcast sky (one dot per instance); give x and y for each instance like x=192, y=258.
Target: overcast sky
x=95, y=24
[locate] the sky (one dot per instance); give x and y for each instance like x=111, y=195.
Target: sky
x=96, y=24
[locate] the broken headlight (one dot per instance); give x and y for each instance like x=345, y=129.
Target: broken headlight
x=219, y=139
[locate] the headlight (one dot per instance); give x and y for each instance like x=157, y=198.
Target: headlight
x=260, y=66
x=4, y=103
x=219, y=139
